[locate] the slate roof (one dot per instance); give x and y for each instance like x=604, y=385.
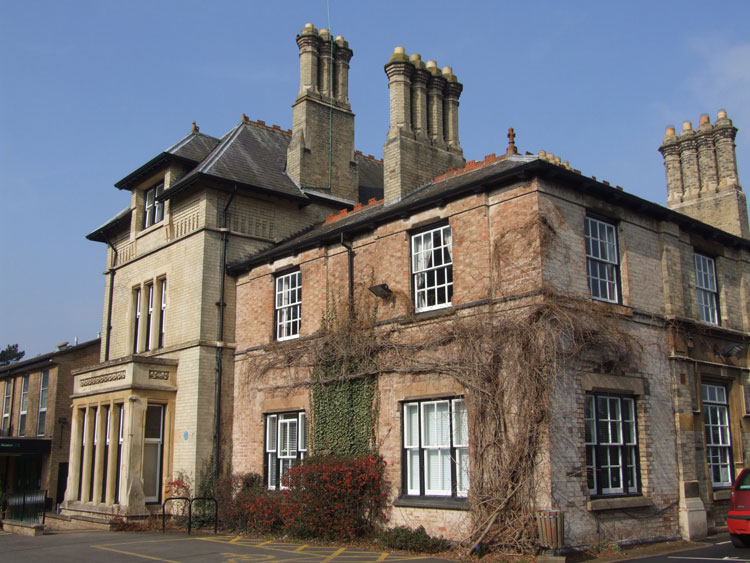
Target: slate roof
x=42, y=359
x=476, y=177
x=99, y=234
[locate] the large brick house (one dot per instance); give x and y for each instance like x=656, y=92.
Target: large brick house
x=166, y=365
x=644, y=430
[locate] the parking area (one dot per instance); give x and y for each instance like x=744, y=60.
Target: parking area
x=122, y=547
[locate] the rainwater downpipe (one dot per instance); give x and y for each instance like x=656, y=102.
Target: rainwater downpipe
x=110, y=296
x=220, y=334
x=350, y=251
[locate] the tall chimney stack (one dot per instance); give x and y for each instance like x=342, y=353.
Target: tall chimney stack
x=422, y=139
x=702, y=179
x=320, y=155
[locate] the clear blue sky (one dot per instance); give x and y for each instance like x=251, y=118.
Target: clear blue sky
x=90, y=90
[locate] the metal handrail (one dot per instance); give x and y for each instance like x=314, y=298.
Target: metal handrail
x=190, y=512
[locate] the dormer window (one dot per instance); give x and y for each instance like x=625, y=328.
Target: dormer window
x=153, y=210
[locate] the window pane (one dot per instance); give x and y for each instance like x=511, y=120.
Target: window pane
x=153, y=421
x=151, y=455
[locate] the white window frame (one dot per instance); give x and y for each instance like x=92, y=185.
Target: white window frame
x=162, y=310
x=449, y=445
x=7, y=406
x=41, y=425
x=602, y=260
x=288, y=305
x=432, y=268
x=280, y=457
x=706, y=289
x=137, y=320
x=153, y=210
x=611, y=439
x=149, y=315
x=159, y=443
x=22, y=411
x=718, y=433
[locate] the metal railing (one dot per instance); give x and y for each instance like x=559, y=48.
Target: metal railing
x=27, y=506
x=190, y=512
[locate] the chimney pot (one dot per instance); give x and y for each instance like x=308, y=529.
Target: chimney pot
x=705, y=119
x=687, y=126
x=670, y=131
x=722, y=114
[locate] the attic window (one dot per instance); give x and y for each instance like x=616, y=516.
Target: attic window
x=153, y=211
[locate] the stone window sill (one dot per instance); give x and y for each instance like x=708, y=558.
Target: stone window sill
x=722, y=494
x=618, y=503
x=439, y=503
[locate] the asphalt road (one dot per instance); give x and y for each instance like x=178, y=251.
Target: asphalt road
x=120, y=547
x=719, y=551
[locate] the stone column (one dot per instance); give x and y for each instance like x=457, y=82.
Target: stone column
x=100, y=435
x=419, y=99
x=74, y=457
x=706, y=155
x=342, y=56
x=111, y=469
x=326, y=64
x=453, y=90
x=131, y=483
x=399, y=72
x=308, y=42
x=689, y=161
x=435, y=89
x=726, y=161
x=671, y=152
x=88, y=426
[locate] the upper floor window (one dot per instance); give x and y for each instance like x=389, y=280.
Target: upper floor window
x=436, y=448
x=149, y=315
x=162, y=310
x=137, y=319
x=6, y=407
x=705, y=289
x=153, y=210
x=718, y=438
x=611, y=444
x=432, y=268
x=288, y=305
x=24, y=406
x=286, y=445
x=42, y=418
x=602, y=260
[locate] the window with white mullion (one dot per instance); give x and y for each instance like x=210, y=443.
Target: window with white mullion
x=149, y=316
x=610, y=437
x=153, y=210
x=42, y=416
x=706, y=289
x=718, y=438
x=288, y=305
x=432, y=268
x=435, y=441
x=24, y=406
x=286, y=445
x=137, y=319
x=602, y=259
x=6, y=406
x=162, y=311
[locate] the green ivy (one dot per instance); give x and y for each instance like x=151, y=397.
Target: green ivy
x=343, y=415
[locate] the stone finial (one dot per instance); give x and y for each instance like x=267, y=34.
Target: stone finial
x=245, y=119
x=511, y=142
x=196, y=129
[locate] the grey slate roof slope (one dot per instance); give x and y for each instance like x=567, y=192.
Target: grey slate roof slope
x=41, y=359
x=251, y=154
x=99, y=234
x=476, y=178
x=191, y=149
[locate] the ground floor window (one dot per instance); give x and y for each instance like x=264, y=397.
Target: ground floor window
x=611, y=444
x=286, y=445
x=436, y=448
x=152, y=452
x=718, y=439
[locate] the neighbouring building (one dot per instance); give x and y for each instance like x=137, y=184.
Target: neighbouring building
x=159, y=402
x=36, y=419
x=641, y=440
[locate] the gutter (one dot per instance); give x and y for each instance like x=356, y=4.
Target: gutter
x=350, y=252
x=220, y=334
x=110, y=296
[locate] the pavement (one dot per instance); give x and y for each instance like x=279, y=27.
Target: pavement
x=130, y=547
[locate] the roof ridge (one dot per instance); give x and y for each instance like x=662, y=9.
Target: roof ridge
x=220, y=149
x=333, y=217
x=368, y=156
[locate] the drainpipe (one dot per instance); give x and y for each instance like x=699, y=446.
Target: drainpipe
x=220, y=335
x=110, y=296
x=350, y=251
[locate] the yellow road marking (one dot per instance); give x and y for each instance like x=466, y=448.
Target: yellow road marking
x=300, y=548
x=235, y=539
x=333, y=555
x=135, y=554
